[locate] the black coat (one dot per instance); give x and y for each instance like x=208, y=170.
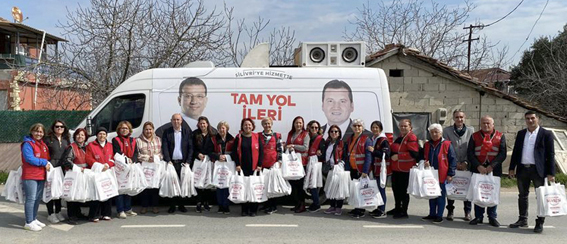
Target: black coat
x=205, y=147
x=56, y=150
x=544, y=152
x=168, y=144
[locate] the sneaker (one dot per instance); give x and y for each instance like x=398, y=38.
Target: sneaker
x=330, y=210
x=338, y=211
x=428, y=217
x=450, y=216
x=95, y=220
x=227, y=210
x=199, y=208
x=171, y=209
x=131, y=213
x=121, y=215
x=358, y=215
x=467, y=217
x=52, y=219
x=314, y=209
x=73, y=221
x=107, y=218
x=155, y=210
x=220, y=210
x=378, y=214
x=475, y=221
x=36, y=222
x=60, y=217
x=31, y=226
x=182, y=209
x=275, y=209
x=438, y=220
x=207, y=207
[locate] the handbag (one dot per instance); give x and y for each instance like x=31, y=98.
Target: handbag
x=551, y=200
x=292, y=166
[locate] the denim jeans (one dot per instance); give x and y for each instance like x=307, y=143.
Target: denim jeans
x=315, y=196
x=437, y=205
x=123, y=203
x=34, y=191
x=383, y=194
x=222, y=197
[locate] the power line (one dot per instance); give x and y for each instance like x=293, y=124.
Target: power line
x=533, y=26
x=505, y=15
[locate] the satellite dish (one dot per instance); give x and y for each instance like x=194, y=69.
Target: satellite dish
x=17, y=14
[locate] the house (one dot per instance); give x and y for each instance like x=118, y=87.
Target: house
x=495, y=78
x=423, y=85
x=28, y=84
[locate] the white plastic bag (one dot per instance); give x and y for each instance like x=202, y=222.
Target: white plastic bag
x=277, y=185
x=187, y=183
x=365, y=194
x=169, y=186
x=257, y=191
x=152, y=173
x=314, y=176
x=106, y=185
x=484, y=190
x=458, y=188
x=222, y=172
x=292, y=166
x=551, y=200
x=383, y=171
x=53, y=186
x=202, y=173
x=237, y=188
x=429, y=183
x=13, y=190
x=339, y=184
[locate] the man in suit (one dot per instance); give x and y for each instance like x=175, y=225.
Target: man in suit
x=337, y=106
x=177, y=149
x=533, y=159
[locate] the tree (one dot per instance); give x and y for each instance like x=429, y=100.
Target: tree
x=435, y=30
x=541, y=74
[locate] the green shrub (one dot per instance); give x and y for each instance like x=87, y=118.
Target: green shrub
x=3, y=177
x=506, y=182
x=561, y=178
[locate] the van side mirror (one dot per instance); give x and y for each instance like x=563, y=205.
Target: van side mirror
x=89, y=125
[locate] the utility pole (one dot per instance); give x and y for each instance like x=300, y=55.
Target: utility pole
x=469, y=40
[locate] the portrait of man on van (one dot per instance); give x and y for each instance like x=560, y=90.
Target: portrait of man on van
x=338, y=105
x=192, y=99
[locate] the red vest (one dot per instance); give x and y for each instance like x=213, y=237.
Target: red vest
x=298, y=141
x=127, y=146
x=378, y=161
x=30, y=172
x=359, y=152
x=315, y=146
x=270, y=150
x=486, y=150
x=255, y=149
x=80, y=159
x=218, y=146
x=405, y=161
x=338, y=151
x=96, y=153
x=442, y=159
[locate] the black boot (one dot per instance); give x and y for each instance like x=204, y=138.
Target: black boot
x=539, y=225
x=520, y=223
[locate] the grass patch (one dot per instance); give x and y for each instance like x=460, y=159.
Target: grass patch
x=506, y=182
x=3, y=177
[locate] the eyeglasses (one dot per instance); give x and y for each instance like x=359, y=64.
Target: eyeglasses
x=314, y=127
x=334, y=131
x=60, y=126
x=194, y=96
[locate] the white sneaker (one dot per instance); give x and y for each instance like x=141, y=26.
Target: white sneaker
x=53, y=219
x=131, y=213
x=60, y=217
x=36, y=222
x=122, y=215
x=31, y=226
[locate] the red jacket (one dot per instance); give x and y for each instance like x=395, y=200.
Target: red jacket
x=80, y=156
x=298, y=141
x=35, y=168
x=255, y=150
x=405, y=161
x=97, y=154
x=270, y=150
x=442, y=158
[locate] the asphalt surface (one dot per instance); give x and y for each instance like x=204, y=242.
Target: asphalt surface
x=282, y=227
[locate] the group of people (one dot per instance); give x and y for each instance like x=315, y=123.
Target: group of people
x=457, y=147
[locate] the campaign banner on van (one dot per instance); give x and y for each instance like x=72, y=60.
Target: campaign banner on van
x=329, y=96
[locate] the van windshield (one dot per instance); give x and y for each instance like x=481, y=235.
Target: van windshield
x=128, y=107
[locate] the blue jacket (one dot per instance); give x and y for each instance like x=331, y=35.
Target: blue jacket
x=29, y=156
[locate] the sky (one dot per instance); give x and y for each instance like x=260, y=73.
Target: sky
x=327, y=20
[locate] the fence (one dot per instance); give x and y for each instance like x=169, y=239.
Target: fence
x=14, y=125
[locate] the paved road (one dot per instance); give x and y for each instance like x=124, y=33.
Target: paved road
x=281, y=227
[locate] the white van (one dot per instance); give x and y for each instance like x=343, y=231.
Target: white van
x=236, y=93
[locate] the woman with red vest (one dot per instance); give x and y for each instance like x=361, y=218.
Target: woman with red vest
x=298, y=141
x=35, y=156
x=223, y=143
x=125, y=144
x=248, y=156
x=439, y=154
x=405, y=154
x=316, y=148
x=333, y=153
x=75, y=156
x=380, y=147
x=57, y=140
x=148, y=145
x=271, y=142
x=100, y=151
x=357, y=158
x=203, y=146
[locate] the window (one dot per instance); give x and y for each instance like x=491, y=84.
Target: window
x=396, y=73
x=560, y=149
x=128, y=107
